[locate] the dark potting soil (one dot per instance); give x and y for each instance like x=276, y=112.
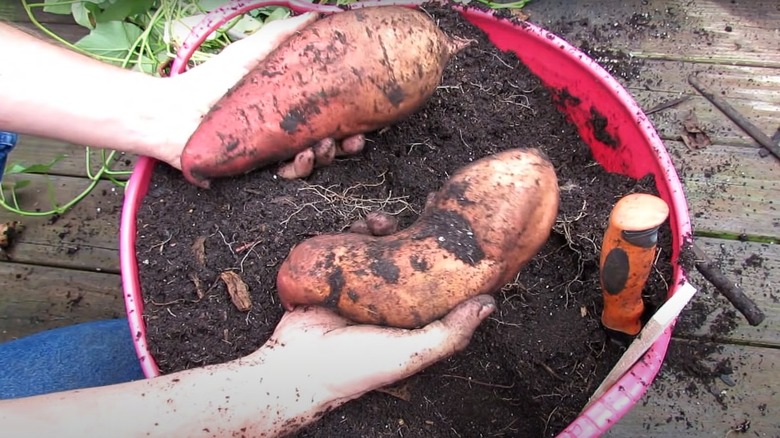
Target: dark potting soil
x=529, y=368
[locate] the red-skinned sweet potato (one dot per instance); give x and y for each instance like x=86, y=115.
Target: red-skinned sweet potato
x=349, y=73
x=487, y=221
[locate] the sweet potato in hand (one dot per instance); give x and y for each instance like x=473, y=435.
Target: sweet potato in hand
x=475, y=234
x=349, y=73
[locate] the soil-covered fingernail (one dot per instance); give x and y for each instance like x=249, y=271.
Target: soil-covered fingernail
x=488, y=305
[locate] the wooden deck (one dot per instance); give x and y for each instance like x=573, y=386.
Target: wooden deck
x=66, y=270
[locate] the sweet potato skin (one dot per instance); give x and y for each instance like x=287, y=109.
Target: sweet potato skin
x=348, y=73
x=487, y=221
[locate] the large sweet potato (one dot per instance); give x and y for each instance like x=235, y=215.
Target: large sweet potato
x=487, y=221
x=348, y=73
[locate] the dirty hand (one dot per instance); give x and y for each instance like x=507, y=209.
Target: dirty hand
x=198, y=89
x=336, y=361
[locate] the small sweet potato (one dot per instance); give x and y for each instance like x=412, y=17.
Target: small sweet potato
x=376, y=223
x=349, y=73
x=486, y=222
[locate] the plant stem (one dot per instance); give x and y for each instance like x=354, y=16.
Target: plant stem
x=47, y=31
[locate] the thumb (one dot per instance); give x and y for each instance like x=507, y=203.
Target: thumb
x=442, y=338
x=403, y=353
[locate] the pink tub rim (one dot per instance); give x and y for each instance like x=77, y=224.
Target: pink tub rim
x=625, y=393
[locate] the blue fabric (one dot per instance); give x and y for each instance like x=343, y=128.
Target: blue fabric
x=7, y=142
x=79, y=356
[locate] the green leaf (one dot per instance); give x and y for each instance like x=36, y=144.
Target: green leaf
x=210, y=5
x=267, y=11
x=111, y=39
x=17, y=168
x=37, y=168
x=146, y=65
x=119, y=10
x=244, y=27
x=278, y=14
x=56, y=7
x=505, y=5
x=16, y=185
x=83, y=14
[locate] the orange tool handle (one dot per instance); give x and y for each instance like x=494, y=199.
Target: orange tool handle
x=627, y=255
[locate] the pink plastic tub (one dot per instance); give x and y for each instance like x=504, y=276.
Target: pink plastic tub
x=628, y=144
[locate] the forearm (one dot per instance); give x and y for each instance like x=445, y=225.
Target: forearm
x=59, y=93
x=234, y=399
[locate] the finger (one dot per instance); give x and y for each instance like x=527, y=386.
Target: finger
x=235, y=60
x=300, y=167
x=450, y=334
x=402, y=353
x=324, y=152
x=351, y=145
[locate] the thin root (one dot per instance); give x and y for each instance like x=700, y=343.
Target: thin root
x=477, y=382
x=563, y=227
x=351, y=206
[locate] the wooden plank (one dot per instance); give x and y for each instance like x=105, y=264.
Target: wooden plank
x=737, y=82
x=601, y=28
x=62, y=25
x=676, y=406
x=39, y=150
x=14, y=11
x=730, y=190
x=754, y=92
x=721, y=32
x=756, y=268
x=68, y=32
x=85, y=237
x=36, y=298
x=672, y=30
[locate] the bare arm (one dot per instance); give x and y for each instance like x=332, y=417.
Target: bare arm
x=97, y=104
x=49, y=91
x=249, y=397
x=101, y=105
x=315, y=361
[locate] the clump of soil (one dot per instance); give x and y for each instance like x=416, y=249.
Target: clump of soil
x=529, y=368
x=9, y=231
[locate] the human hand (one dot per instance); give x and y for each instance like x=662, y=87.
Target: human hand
x=337, y=361
x=195, y=91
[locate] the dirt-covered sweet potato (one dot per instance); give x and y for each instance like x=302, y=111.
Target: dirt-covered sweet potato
x=348, y=73
x=376, y=223
x=486, y=222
